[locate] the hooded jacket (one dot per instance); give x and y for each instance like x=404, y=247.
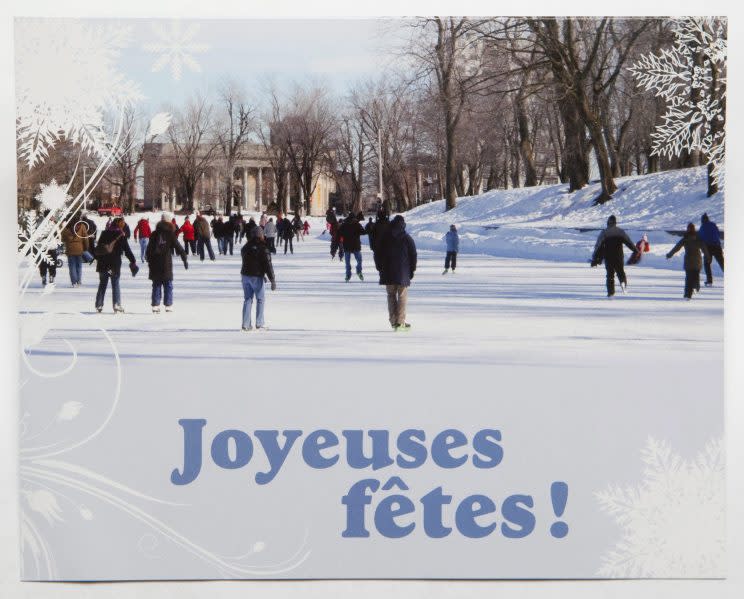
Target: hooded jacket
x=694, y=251
x=351, y=231
x=256, y=257
x=159, y=254
x=395, y=255
x=452, y=239
x=610, y=245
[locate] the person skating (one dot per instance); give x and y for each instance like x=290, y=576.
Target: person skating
x=48, y=267
x=710, y=235
x=297, y=226
x=609, y=247
x=218, y=230
x=381, y=226
x=75, y=238
x=350, y=233
x=142, y=234
x=163, y=243
x=256, y=266
x=395, y=259
x=452, y=241
x=111, y=245
x=287, y=234
x=642, y=247
x=305, y=228
x=189, y=241
x=695, y=250
x=270, y=235
x=203, y=237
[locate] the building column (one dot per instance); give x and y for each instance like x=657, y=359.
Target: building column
x=259, y=190
x=245, y=188
x=286, y=195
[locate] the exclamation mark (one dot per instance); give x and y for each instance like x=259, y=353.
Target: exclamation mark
x=559, y=497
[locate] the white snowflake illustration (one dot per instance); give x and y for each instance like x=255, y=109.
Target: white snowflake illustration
x=66, y=79
x=691, y=78
x=53, y=196
x=37, y=237
x=175, y=47
x=673, y=522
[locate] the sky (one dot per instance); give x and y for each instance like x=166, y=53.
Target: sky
x=335, y=52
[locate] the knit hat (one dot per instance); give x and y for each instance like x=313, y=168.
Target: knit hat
x=612, y=221
x=705, y=217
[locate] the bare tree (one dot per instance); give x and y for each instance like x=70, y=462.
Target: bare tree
x=235, y=125
x=193, y=143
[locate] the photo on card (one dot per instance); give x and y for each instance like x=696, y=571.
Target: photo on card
x=425, y=298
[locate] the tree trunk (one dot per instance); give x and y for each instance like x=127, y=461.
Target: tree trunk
x=525, y=144
x=575, y=163
x=603, y=162
x=450, y=167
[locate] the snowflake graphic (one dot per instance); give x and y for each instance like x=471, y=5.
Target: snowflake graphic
x=66, y=79
x=175, y=47
x=691, y=78
x=673, y=522
x=53, y=196
x=38, y=237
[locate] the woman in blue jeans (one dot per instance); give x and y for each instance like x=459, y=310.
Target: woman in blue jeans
x=256, y=265
x=109, y=263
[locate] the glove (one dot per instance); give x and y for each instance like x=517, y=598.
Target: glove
x=134, y=268
x=668, y=256
x=273, y=285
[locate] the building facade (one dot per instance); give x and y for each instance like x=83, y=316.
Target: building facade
x=253, y=184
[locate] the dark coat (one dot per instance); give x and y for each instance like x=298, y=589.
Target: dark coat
x=256, y=259
x=159, y=255
x=378, y=231
x=694, y=251
x=709, y=233
x=610, y=246
x=284, y=228
x=351, y=231
x=112, y=262
x=395, y=255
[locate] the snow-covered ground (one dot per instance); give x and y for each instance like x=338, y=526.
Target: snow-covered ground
x=549, y=223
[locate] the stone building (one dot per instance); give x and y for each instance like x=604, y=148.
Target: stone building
x=254, y=186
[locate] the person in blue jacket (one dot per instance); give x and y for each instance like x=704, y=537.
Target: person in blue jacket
x=711, y=237
x=452, y=239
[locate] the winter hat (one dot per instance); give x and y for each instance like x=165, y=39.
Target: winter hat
x=453, y=228
x=704, y=218
x=256, y=233
x=167, y=216
x=690, y=229
x=612, y=221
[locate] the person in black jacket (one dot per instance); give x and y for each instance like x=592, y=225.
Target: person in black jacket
x=109, y=262
x=609, y=247
x=395, y=259
x=696, y=251
x=256, y=266
x=286, y=233
x=350, y=232
x=159, y=255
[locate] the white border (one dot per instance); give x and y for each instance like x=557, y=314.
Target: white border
x=732, y=587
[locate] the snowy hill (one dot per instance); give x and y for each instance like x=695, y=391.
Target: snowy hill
x=549, y=223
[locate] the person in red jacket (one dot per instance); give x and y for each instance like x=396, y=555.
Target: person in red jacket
x=305, y=228
x=189, y=239
x=641, y=248
x=142, y=233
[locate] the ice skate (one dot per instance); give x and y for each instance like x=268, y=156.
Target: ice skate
x=361, y=276
x=169, y=308
x=118, y=308
x=445, y=271
x=156, y=309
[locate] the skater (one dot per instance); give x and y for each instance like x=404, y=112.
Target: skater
x=218, y=230
x=287, y=234
x=228, y=234
x=262, y=221
x=203, y=234
x=142, y=234
x=305, y=228
x=336, y=241
x=75, y=238
x=270, y=235
x=350, y=232
x=693, y=260
x=381, y=226
x=711, y=237
x=609, y=247
x=163, y=243
x=395, y=259
x=111, y=245
x=452, y=239
x=642, y=246
x=48, y=267
x=297, y=226
x=189, y=241
x=256, y=265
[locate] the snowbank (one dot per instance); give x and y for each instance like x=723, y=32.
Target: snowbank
x=548, y=223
